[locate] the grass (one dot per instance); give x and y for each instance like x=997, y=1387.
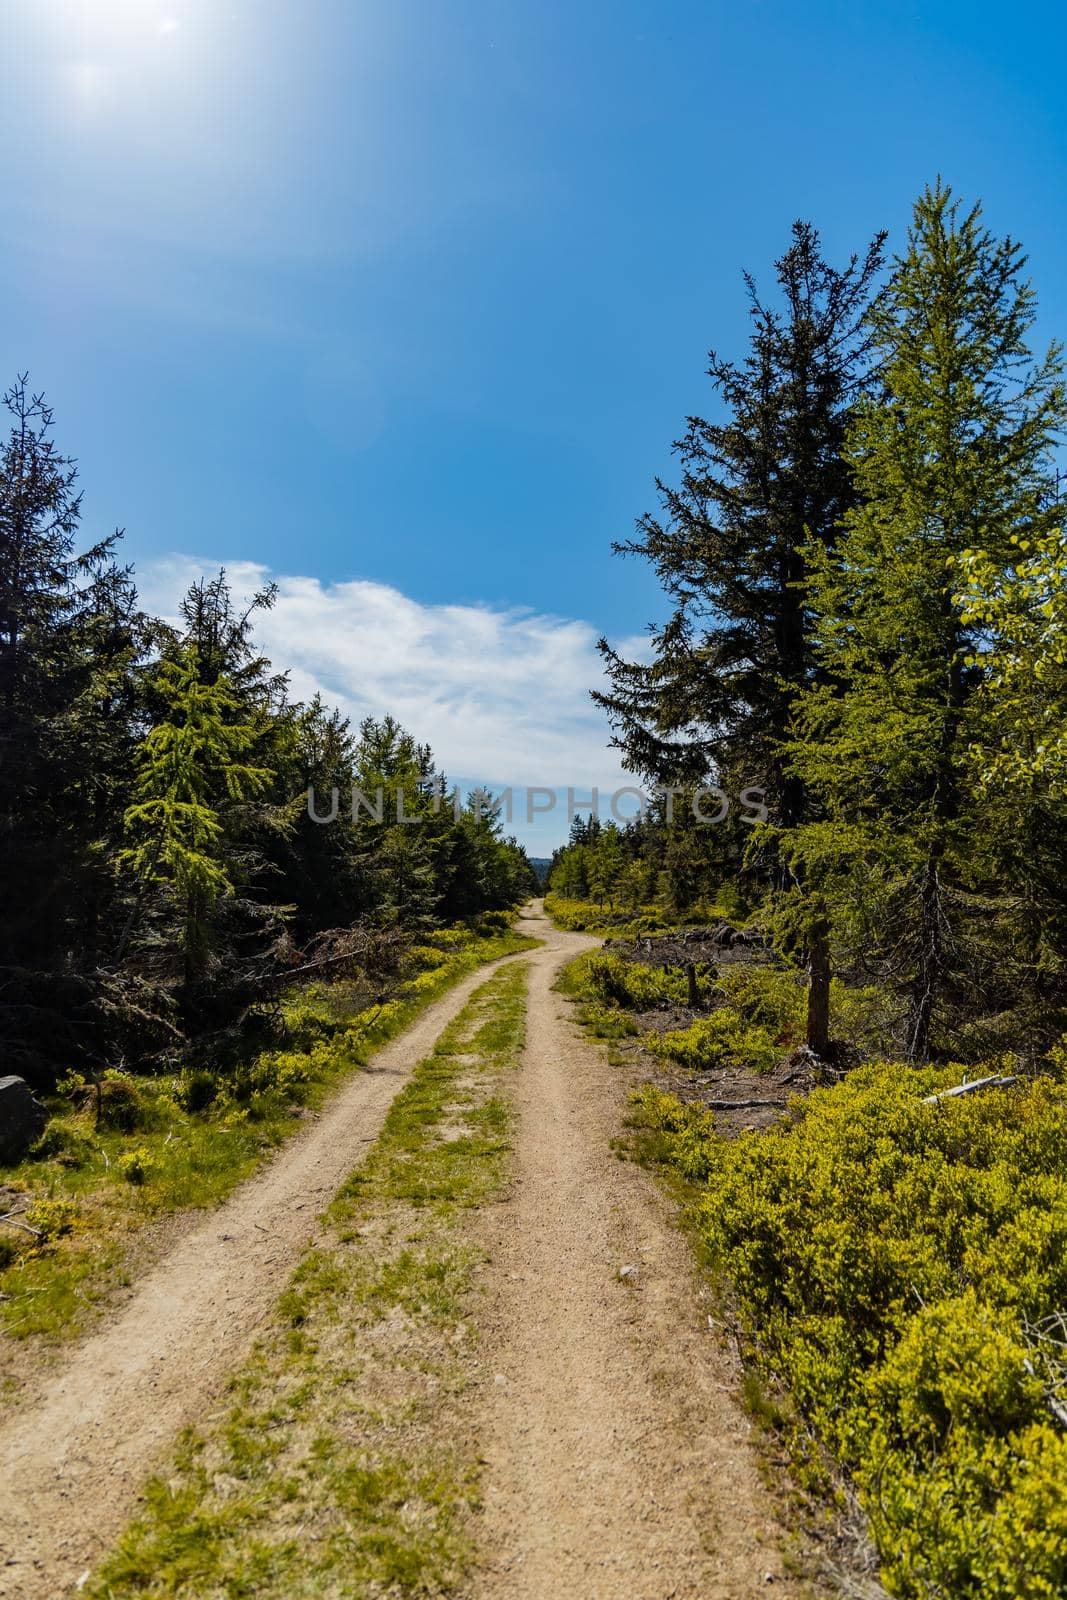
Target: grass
x=114, y=1181
x=635, y=921
x=344, y=1465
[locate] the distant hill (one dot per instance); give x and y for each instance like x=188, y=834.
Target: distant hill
x=541, y=865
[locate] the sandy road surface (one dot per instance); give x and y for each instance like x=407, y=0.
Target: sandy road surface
x=72, y=1462
x=618, y=1463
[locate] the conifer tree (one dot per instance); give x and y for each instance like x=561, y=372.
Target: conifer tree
x=758, y=490
x=951, y=455
x=729, y=549
x=70, y=633
x=605, y=864
x=192, y=773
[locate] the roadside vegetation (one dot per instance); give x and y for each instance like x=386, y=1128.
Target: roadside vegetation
x=344, y=1462
x=900, y=1267
x=893, y=1264
x=865, y=569
x=128, y=1148
x=745, y=1013
x=611, y=919
x=180, y=839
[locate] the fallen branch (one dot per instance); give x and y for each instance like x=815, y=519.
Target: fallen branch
x=743, y=1105
x=13, y=1222
x=998, y=1081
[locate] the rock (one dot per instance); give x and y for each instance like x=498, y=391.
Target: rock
x=22, y=1119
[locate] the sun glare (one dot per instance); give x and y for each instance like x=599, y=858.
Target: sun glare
x=117, y=20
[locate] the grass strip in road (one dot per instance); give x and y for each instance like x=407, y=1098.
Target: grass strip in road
x=344, y=1464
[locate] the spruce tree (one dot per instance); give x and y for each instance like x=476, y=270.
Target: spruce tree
x=70, y=634
x=758, y=490
x=193, y=773
x=729, y=549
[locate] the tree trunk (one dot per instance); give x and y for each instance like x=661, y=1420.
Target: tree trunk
x=928, y=970
x=818, y=1032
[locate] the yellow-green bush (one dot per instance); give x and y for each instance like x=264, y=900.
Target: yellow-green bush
x=119, y=1101
x=893, y=1259
x=423, y=957
x=682, y=1134
x=137, y=1166
x=606, y=977
x=769, y=997
x=723, y=1039
x=50, y=1217
x=585, y=916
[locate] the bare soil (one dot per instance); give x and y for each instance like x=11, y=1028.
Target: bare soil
x=619, y=1463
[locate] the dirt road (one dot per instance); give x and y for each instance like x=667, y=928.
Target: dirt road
x=618, y=1465
x=618, y=1462
x=72, y=1463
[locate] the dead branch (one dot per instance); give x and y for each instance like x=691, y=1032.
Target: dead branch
x=997, y=1081
x=743, y=1105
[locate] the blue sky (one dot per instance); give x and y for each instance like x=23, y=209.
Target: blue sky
x=404, y=302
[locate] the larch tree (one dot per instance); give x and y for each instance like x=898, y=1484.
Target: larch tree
x=949, y=456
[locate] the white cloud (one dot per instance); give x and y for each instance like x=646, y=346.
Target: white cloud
x=502, y=696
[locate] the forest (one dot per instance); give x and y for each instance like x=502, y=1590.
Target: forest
x=864, y=560
x=165, y=864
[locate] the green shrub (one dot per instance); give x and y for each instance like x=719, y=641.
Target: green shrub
x=961, y=1473
x=894, y=1259
x=120, y=1104
x=584, y=916
x=198, y=1088
x=64, y=1142
x=686, y=1131
x=607, y=1022
x=771, y=999
x=607, y=977
x=52, y=1218
x=309, y=1017
x=457, y=938
x=281, y=1074
x=424, y=957
x=137, y=1166
x=723, y=1039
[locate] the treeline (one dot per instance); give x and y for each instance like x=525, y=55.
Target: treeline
x=161, y=873
x=660, y=861
x=866, y=566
